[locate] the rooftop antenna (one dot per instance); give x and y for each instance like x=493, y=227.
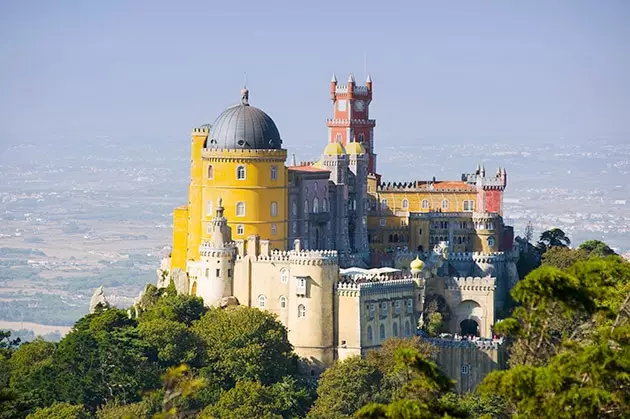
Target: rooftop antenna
x=245, y=80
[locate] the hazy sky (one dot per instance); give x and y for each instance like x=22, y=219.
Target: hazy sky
x=442, y=70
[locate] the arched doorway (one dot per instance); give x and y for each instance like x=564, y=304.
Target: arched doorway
x=470, y=318
x=193, y=289
x=469, y=327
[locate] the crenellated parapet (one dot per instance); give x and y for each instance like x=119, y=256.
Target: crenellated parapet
x=480, y=343
x=470, y=283
x=301, y=257
x=333, y=122
x=425, y=186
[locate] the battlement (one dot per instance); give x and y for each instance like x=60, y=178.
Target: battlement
x=332, y=122
x=470, y=283
x=361, y=90
x=301, y=257
x=496, y=182
x=201, y=131
x=206, y=249
x=426, y=186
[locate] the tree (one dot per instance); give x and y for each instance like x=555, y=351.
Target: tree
x=421, y=394
x=553, y=238
x=32, y=373
x=175, y=343
x=61, y=411
x=103, y=359
x=244, y=344
x=345, y=387
x=596, y=248
x=571, y=351
x=251, y=399
x=435, y=304
x=562, y=257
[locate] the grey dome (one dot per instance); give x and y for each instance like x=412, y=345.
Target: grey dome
x=244, y=126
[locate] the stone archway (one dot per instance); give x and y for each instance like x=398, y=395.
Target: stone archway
x=470, y=317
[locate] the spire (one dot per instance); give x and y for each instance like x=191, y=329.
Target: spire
x=369, y=78
x=334, y=79
x=351, y=78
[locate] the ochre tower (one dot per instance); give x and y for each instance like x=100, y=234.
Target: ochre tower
x=351, y=113
x=240, y=159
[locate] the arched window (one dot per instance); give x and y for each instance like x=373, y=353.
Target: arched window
x=274, y=229
x=294, y=208
x=316, y=186
x=240, y=229
x=407, y=329
x=283, y=302
x=207, y=273
x=240, y=209
x=315, y=205
x=306, y=206
x=445, y=204
x=209, y=207
x=395, y=329
x=338, y=138
x=383, y=204
x=361, y=138
x=262, y=300
x=405, y=203
x=274, y=209
x=491, y=241
x=324, y=205
x=240, y=173
x=210, y=172
x=369, y=334
x=284, y=276
x=301, y=311
x=381, y=331
x=274, y=172
x=425, y=203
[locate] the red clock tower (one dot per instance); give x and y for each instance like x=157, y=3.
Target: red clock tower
x=350, y=121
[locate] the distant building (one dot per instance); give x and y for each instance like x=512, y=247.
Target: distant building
x=275, y=237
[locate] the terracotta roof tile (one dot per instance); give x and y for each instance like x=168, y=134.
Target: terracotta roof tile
x=308, y=168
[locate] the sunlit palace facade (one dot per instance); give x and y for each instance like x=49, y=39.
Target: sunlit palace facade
x=298, y=240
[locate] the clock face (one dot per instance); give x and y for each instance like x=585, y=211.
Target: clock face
x=359, y=105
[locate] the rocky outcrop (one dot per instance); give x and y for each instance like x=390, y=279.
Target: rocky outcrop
x=98, y=300
x=228, y=301
x=180, y=278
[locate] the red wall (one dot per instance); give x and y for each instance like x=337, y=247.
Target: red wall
x=493, y=201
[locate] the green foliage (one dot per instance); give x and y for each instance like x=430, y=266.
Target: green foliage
x=345, y=387
x=436, y=313
x=31, y=365
x=435, y=324
x=244, y=344
x=596, y=248
x=61, y=411
x=251, y=399
x=571, y=351
x=421, y=393
x=169, y=306
x=146, y=408
x=175, y=343
x=562, y=257
x=104, y=359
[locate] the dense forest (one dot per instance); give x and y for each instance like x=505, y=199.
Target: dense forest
x=567, y=334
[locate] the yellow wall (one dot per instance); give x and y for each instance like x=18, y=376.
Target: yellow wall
x=258, y=190
x=395, y=199
x=199, y=136
x=180, y=238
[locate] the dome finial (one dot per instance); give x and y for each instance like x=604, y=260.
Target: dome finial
x=244, y=96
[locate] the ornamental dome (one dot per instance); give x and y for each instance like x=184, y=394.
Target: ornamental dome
x=334, y=149
x=416, y=265
x=244, y=127
x=355, y=148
